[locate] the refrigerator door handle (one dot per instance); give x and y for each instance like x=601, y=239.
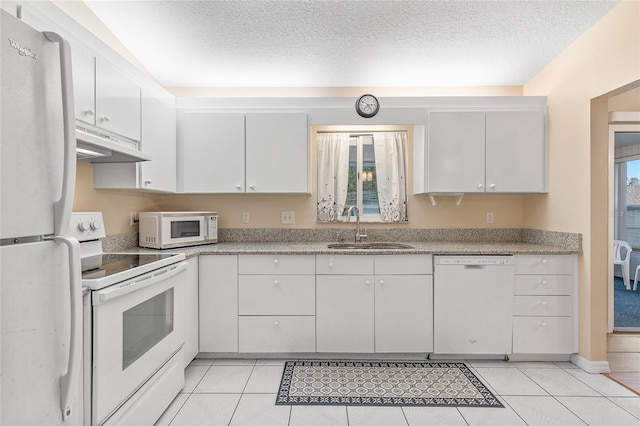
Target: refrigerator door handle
x=63, y=207
x=69, y=380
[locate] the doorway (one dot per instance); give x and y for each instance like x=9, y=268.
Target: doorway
x=624, y=301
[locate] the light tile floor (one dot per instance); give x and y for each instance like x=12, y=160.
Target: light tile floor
x=242, y=393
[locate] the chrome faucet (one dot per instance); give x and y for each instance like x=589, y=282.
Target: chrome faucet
x=359, y=236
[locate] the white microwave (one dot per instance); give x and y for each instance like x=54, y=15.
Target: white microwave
x=163, y=230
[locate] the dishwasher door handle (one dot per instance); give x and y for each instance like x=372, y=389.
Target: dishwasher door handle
x=474, y=266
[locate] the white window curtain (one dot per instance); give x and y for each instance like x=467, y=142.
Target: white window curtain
x=391, y=168
x=333, y=175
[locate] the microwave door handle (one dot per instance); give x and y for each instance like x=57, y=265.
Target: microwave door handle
x=64, y=206
x=70, y=378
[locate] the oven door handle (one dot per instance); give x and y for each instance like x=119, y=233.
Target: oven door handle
x=138, y=283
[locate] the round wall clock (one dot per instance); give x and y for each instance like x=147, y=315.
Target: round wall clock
x=367, y=106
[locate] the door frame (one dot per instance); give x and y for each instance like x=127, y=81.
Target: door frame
x=618, y=122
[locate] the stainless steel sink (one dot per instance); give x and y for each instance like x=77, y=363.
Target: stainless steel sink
x=369, y=246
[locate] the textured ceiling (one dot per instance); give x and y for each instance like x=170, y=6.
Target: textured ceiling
x=243, y=43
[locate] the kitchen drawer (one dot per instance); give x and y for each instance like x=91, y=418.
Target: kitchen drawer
x=543, y=284
x=534, y=264
x=543, y=335
x=276, y=264
x=277, y=294
x=406, y=264
x=277, y=334
x=542, y=306
x=344, y=264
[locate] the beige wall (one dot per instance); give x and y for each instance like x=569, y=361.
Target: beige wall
x=604, y=59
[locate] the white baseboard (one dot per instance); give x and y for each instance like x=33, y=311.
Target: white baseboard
x=594, y=367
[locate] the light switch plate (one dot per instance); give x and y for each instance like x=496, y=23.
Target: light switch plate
x=245, y=217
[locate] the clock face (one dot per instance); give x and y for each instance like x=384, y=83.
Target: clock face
x=367, y=106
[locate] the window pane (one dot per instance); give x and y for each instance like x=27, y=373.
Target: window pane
x=352, y=188
x=633, y=182
x=369, y=181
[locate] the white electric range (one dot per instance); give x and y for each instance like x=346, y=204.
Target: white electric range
x=133, y=328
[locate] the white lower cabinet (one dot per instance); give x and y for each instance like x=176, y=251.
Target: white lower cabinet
x=544, y=305
x=403, y=313
x=276, y=303
x=378, y=303
x=277, y=333
x=344, y=313
x=190, y=348
x=218, y=303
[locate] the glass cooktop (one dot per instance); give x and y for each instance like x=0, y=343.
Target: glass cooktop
x=112, y=263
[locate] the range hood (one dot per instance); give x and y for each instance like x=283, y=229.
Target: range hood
x=97, y=147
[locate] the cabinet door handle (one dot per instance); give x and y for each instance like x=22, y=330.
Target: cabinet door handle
x=89, y=112
x=147, y=182
x=381, y=281
x=251, y=187
x=238, y=187
x=105, y=119
x=492, y=186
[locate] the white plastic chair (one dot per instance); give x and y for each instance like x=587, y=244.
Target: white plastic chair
x=622, y=253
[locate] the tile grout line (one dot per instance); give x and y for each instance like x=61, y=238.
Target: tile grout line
x=242, y=393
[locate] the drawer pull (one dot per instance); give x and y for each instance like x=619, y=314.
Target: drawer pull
x=330, y=264
x=544, y=302
x=381, y=281
x=276, y=323
x=276, y=282
x=367, y=282
x=544, y=261
x=276, y=261
x=543, y=323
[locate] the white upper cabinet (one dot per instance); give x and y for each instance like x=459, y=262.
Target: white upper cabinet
x=276, y=153
x=117, y=102
x=84, y=90
x=455, y=156
x=515, y=151
x=211, y=152
x=159, y=140
x=242, y=153
x=484, y=152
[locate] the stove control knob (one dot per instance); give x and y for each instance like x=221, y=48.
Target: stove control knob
x=95, y=225
x=84, y=226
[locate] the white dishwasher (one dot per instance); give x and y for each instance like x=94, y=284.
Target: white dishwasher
x=473, y=304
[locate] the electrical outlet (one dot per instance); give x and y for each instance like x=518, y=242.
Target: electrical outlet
x=133, y=218
x=288, y=217
x=245, y=217
x=489, y=217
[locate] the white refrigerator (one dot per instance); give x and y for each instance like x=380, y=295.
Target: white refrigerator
x=40, y=297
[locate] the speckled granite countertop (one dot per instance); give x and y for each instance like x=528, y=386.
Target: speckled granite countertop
x=461, y=248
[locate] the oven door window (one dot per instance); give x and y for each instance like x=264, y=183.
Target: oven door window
x=146, y=324
x=185, y=229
